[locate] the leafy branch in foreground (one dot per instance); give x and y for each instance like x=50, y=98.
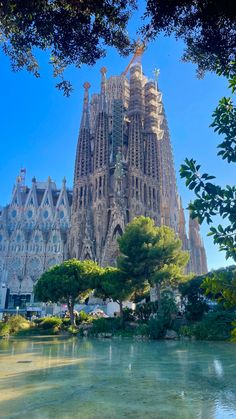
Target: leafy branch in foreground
x=74, y=32
x=207, y=28
x=212, y=199
x=221, y=286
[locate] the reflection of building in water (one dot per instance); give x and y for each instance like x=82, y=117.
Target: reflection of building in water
x=123, y=168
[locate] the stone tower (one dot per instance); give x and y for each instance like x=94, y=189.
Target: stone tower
x=124, y=168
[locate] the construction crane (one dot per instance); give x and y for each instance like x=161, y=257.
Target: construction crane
x=139, y=50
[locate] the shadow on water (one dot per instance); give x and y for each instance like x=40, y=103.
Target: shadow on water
x=71, y=378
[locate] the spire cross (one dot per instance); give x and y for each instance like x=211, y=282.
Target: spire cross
x=156, y=73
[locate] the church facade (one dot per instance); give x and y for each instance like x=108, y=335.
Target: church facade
x=123, y=168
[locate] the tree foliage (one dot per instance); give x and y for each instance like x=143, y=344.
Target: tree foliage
x=207, y=27
x=221, y=286
x=78, y=32
x=74, y=32
x=116, y=284
x=152, y=253
x=212, y=199
x=69, y=282
x=193, y=298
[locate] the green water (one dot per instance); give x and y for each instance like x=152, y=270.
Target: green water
x=56, y=378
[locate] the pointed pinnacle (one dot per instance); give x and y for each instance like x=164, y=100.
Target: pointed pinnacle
x=86, y=85
x=103, y=70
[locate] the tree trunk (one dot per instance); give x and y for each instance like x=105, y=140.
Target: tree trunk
x=158, y=291
x=71, y=311
x=121, y=313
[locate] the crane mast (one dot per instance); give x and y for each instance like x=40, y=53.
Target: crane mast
x=139, y=50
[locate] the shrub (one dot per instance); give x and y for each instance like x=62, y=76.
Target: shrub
x=233, y=332
x=144, y=311
x=66, y=322
x=38, y=321
x=129, y=314
x=186, y=331
x=4, y=329
x=13, y=325
x=142, y=330
x=156, y=327
x=73, y=330
x=50, y=323
x=216, y=325
x=195, y=302
x=17, y=323
x=168, y=308
x=109, y=325
x=84, y=318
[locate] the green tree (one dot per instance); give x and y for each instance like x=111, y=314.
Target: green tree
x=221, y=286
x=212, y=199
x=73, y=32
x=152, y=254
x=69, y=282
x=118, y=285
x=193, y=298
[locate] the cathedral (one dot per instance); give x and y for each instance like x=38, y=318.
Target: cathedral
x=123, y=168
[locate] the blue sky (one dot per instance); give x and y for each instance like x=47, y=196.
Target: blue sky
x=39, y=127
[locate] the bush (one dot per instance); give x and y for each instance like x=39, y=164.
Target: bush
x=50, y=323
x=66, y=322
x=4, y=329
x=156, y=327
x=73, y=330
x=84, y=318
x=169, y=308
x=233, y=332
x=144, y=311
x=109, y=325
x=142, y=330
x=129, y=314
x=186, y=331
x=216, y=325
x=17, y=323
x=38, y=321
x=195, y=302
x=13, y=325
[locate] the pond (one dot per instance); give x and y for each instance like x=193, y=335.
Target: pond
x=72, y=378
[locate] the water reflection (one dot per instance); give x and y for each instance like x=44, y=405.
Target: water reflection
x=53, y=377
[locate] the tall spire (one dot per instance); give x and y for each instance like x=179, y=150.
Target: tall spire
x=135, y=113
x=103, y=72
x=83, y=153
x=101, y=142
x=198, y=261
x=151, y=130
x=85, y=114
x=181, y=224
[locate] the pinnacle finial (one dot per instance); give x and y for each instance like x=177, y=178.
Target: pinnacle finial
x=156, y=73
x=64, y=180
x=86, y=85
x=49, y=179
x=103, y=70
x=34, y=179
